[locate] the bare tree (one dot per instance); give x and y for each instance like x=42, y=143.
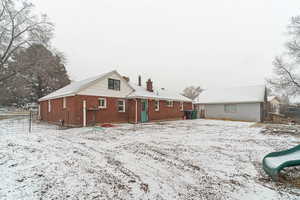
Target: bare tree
x=20, y=28
x=192, y=92
x=286, y=78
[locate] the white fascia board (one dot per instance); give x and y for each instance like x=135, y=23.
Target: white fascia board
x=56, y=97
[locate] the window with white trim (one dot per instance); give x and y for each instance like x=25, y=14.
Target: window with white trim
x=230, y=108
x=121, y=105
x=64, y=103
x=49, y=105
x=181, y=106
x=114, y=84
x=170, y=103
x=156, y=105
x=102, y=103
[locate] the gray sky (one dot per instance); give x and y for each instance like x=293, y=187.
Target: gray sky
x=212, y=43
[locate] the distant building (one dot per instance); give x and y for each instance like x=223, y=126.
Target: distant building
x=239, y=103
x=111, y=98
x=274, y=104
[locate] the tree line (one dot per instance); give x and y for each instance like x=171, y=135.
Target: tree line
x=29, y=67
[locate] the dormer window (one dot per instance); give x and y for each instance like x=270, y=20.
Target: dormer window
x=114, y=84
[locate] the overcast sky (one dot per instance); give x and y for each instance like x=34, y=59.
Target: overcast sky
x=212, y=43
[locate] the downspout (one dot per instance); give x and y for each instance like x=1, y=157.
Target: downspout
x=39, y=114
x=136, y=112
x=84, y=113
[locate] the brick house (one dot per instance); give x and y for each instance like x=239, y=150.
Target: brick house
x=111, y=98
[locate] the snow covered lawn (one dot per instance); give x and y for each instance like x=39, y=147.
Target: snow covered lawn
x=199, y=159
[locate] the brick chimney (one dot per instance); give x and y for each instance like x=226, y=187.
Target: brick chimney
x=140, y=81
x=150, y=85
x=126, y=78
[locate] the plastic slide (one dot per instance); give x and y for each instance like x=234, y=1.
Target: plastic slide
x=274, y=162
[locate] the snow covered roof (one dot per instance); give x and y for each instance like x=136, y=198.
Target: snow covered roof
x=138, y=91
x=74, y=87
x=246, y=94
x=163, y=94
x=270, y=98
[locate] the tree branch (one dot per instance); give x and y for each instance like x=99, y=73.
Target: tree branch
x=2, y=79
x=12, y=35
x=291, y=77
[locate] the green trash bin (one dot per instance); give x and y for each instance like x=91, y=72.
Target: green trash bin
x=194, y=114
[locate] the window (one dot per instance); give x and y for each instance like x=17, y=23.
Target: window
x=121, y=105
x=170, y=103
x=114, y=84
x=156, y=105
x=102, y=103
x=181, y=106
x=230, y=108
x=64, y=103
x=49, y=105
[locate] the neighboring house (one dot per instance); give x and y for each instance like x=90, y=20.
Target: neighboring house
x=274, y=104
x=111, y=98
x=240, y=103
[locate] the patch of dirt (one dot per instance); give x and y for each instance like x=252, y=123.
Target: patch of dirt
x=290, y=177
x=280, y=129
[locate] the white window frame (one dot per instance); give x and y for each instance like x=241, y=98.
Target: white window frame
x=105, y=103
x=64, y=102
x=124, y=105
x=49, y=105
x=230, y=108
x=170, y=103
x=181, y=106
x=156, y=103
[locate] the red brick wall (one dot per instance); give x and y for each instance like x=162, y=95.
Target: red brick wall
x=57, y=112
x=108, y=115
x=73, y=113
x=166, y=112
x=132, y=110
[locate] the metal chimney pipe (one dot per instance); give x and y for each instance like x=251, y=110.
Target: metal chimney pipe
x=140, y=80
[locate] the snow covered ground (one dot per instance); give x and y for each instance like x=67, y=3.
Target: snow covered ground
x=199, y=159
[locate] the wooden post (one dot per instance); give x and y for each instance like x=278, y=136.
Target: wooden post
x=30, y=120
x=84, y=113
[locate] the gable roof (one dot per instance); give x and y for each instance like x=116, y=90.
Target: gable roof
x=75, y=87
x=271, y=98
x=138, y=91
x=162, y=94
x=246, y=94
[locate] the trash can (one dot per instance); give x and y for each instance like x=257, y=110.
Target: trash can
x=188, y=114
x=194, y=114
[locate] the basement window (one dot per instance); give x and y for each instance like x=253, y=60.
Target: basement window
x=170, y=103
x=102, y=103
x=156, y=105
x=230, y=108
x=121, y=105
x=114, y=84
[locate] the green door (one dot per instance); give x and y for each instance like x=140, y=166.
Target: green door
x=144, y=114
